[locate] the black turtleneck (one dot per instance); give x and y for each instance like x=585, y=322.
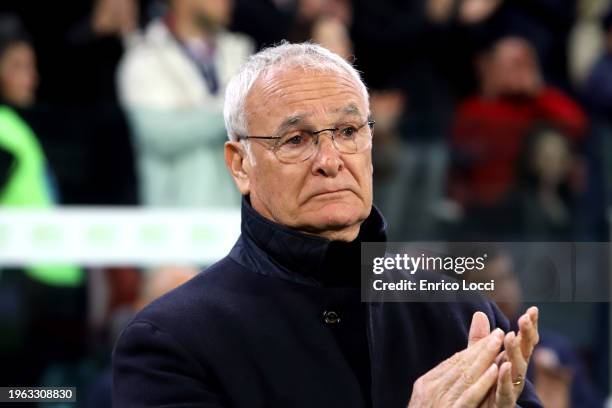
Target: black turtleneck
x=316, y=261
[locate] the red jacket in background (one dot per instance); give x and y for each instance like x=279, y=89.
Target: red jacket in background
x=488, y=134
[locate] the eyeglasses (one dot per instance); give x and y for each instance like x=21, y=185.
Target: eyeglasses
x=297, y=146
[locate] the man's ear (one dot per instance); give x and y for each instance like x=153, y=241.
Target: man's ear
x=238, y=165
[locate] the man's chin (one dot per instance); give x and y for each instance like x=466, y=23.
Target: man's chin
x=338, y=212
x=337, y=220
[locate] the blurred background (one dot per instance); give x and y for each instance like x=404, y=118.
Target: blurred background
x=493, y=123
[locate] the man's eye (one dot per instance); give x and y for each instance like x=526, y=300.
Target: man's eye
x=296, y=140
x=348, y=132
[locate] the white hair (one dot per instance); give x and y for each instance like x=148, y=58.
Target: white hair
x=285, y=55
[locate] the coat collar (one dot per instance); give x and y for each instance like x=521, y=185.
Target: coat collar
x=272, y=249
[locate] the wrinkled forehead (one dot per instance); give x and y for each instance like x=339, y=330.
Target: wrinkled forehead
x=326, y=87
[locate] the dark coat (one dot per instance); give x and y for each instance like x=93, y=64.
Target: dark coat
x=255, y=330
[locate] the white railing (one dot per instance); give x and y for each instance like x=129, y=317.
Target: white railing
x=116, y=236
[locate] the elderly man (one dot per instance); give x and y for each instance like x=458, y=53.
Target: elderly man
x=279, y=321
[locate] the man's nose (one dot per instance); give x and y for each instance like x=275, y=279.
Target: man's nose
x=328, y=160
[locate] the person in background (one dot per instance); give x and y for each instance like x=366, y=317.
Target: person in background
x=71, y=106
x=268, y=22
x=586, y=40
x=171, y=83
x=596, y=92
x=45, y=296
x=490, y=127
x=547, y=24
x=18, y=82
x=416, y=55
x=79, y=48
x=541, y=205
x=25, y=175
x=598, y=87
x=18, y=73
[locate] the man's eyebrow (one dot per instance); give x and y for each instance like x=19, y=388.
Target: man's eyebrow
x=290, y=122
x=294, y=120
x=351, y=109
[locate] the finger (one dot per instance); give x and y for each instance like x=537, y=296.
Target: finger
x=474, y=395
x=501, y=358
x=515, y=357
x=528, y=335
x=479, y=329
x=451, y=369
x=476, y=361
x=458, y=358
x=505, y=396
x=534, y=314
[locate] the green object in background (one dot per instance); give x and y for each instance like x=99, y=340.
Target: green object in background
x=57, y=275
x=26, y=187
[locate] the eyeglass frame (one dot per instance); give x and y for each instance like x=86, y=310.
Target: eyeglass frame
x=316, y=134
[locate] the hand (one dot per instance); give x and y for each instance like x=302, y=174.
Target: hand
x=332, y=34
x=340, y=9
x=513, y=361
x=476, y=11
x=465, y=379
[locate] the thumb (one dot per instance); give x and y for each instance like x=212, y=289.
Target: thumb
x=479, y=329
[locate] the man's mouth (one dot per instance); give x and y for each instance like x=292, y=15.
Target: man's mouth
x=331, y=193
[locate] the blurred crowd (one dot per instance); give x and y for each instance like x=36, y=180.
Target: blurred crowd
x=493, y=123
